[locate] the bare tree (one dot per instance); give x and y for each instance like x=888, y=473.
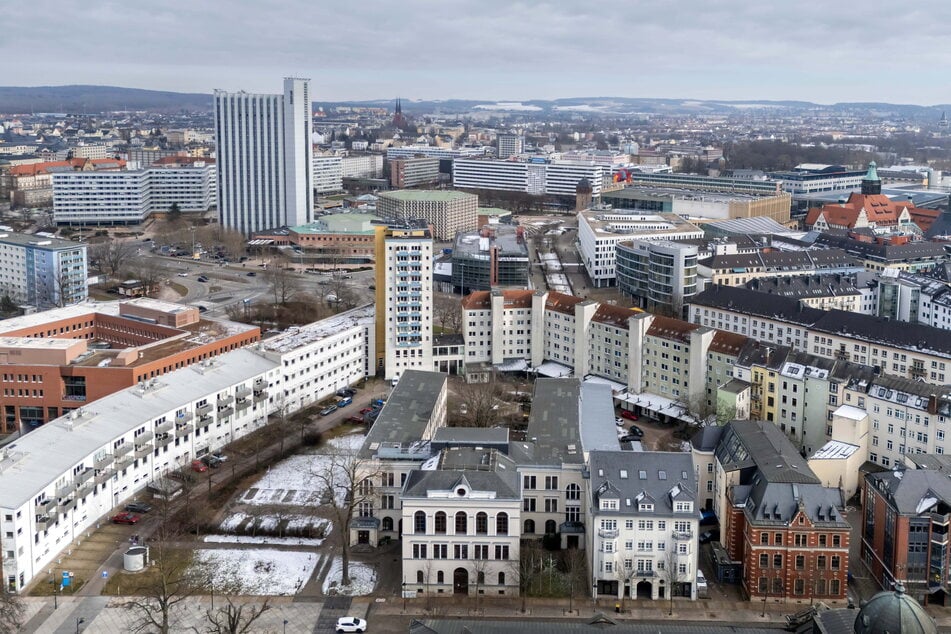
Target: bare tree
x=150, y=272
x=479, y=569
x=672, y=574
x=12, y=611
x=482, y=402
x=346, y=480
x=284, y=284
x=526, y=568
x=112, y=255
x=447, y=311
x=234, y=618
x=575, y=566
x=172, y=579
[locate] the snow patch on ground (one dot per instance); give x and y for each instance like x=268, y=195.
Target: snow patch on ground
x=362, y=579
x=264, y=572
x=270, y=522
x=292, y=481
x=271, y=541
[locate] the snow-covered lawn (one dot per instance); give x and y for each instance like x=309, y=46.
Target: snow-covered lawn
x=292, y=481
x=362, y=579
x=262, y=571
x=268, y=522
x=273, y=541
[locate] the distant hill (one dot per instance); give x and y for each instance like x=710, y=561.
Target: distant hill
x=94, y=99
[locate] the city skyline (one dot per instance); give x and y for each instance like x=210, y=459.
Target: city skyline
x=499, y=50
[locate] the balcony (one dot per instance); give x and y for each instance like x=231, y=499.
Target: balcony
x=84, y=476
x=104, y=476
x=45, y=507
x=143, y=451
x=85, y=489
x=242, y=404
x=164, y=427
x=104, y=462
x=243, y=392
x=683, y=535
x=201, y=410
x=68, y=504
x=184, y=417
x=164, y=441
x=123, y=449
x=260, y=384
x=143, y=438
x=225, y=400
x=259, y=396
x=64, y=490
x=609, y=533
x=183, y=430
x=225, y=412
x=123, y=462
x=205, y=420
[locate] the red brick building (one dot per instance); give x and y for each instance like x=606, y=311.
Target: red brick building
x=59, y=360
x=777, y=519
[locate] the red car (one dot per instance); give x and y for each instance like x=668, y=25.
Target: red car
x=628, y=414
x=125, y=518
x=366, y=410
x=357, y=420
x=199, y=466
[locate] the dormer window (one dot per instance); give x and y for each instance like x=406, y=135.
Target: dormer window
x=609, y=505
x=683, y=507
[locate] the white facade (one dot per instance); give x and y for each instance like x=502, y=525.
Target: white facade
x=406, y=316
x=130, y=197
x=265, y=158
x=429, y=151
x=45, y=273
x=61, y=479
x=556, y=178
x=362, y=166
x=600, y=231
x=510, y=145
x=328, y=174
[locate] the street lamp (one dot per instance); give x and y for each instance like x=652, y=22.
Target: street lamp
x=285, y=626
x=79, y=622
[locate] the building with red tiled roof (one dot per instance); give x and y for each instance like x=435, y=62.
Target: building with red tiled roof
x=31, y=185
x=872, y=210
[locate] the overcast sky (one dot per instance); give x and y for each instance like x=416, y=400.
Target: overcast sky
x=828, y=51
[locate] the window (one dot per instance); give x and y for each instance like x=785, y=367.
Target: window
x=528, y=504
x=501, y=551
x=529, y=526
x=836, y=541
x=481, y=551
x=834, y=587
x=573, y=492
x=440, y=522
x=763, y=560
x=501, y=578
x=440, y=551
x=551, y=483
x=419, y=576
x=551, y=505
x=835, y=562
x=461, y=551
x=440, y=577
x=800, y=562
x=777, y=561
x=764, y=539
x=419, y=551
x=528, y=482
x=502, y=525
x=419, y=522
x=821, y=562
x=799, y=587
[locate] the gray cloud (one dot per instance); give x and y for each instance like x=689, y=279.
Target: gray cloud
x=495, y=49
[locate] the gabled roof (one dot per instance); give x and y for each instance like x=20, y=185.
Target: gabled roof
x=760, y=444
x=728, y=343
x=670, y=328
x=559, y=302
x=614, y=315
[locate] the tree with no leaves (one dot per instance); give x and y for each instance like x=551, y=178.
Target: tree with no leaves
x=12, y=611
x=233, y=617
x=447, y=311
x=346, y=482
x=672, y=574
x=482, y=402
x=526, y=568
x=284, y=284
x=112, y=255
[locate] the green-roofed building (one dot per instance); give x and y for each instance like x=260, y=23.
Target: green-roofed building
x=448, y=211
x=346, y=238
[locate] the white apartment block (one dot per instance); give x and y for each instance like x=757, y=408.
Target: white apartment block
x=61, y=479
x=536, y=178
x=130, y=197
x=86, y=150
x=643, y=523
x=461, y=524
x=448, y=212
x=510, y=144
x=319, y=358
x=601, y=230
x=43, y=272
x=404, y=300
x=101, y=197
x=265, y=158
x=430, y=151
x=362, y=166
x=328, y=174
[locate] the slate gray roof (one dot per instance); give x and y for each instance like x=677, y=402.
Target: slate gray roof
x=707, y=438
x=660, y=476
x=909, y=490
x=776, y=503
x=762, y=445
x=758, y=304
x=920, y=250
x=480, y=469
x=806, y=286
x=785, y=260
x=406, y=413
x=553, y=427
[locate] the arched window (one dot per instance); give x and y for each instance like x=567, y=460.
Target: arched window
x=480, y=578
x=419, y=523
x=482, y=523
x=529, y=526
x=502, y=524
x=550, y=527
x=573, y=492
x=440, y=578
x=462, y=523
x=387, y=523
x=441, y=522
x=419, y=576
x=501, y=578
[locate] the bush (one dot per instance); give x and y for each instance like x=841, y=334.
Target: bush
x=312, y=438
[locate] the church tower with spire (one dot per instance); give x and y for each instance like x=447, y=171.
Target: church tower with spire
x=398, y=118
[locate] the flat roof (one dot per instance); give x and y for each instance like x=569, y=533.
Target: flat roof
x=40, y=242
x=598, y=431
x=406, y=414
x=298, y=336
x=834, y=450
x=45, y=454
x=554, y=425
x=439, y=195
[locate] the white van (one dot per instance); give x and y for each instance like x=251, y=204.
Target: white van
x=703, y=591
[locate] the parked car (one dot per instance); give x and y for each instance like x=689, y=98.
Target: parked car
x=211, y=461
x=199, y=466
x=708, y=517
x=356, y=420
x=125, y=518
x=709, y=536
x=351, y=624
x=202, y=278
x=252, y=274
x=220, y=456
x=628, y=415
x=138, y=507
x=327, y=411
x=183, y=274
x=344, y=401
x=366, y=410
x=634, y=430
x=629, y=438
x=619, y=421
x=346, y=391
x=702, y=590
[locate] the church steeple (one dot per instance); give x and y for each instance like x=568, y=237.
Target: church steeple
x=871, y=184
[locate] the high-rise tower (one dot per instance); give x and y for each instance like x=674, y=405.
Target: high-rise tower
x=264, y=155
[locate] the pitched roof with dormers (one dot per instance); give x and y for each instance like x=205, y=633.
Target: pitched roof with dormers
x=670, y=328
x=659, y=477
x=879, y=210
